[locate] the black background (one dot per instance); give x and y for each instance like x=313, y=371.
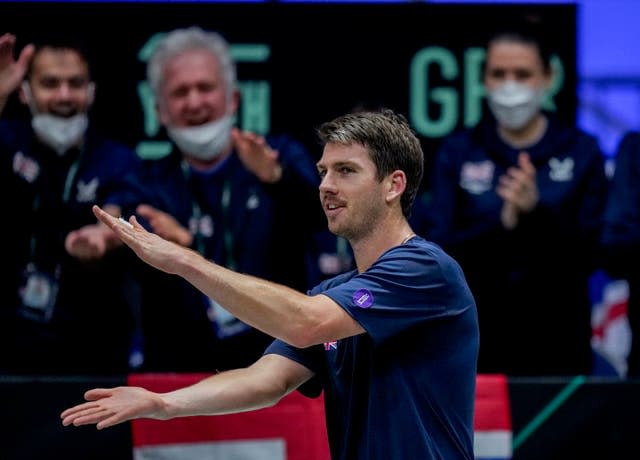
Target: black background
x=326, y=59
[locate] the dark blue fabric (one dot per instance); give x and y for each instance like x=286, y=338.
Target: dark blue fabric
x=269, y=227
x=621, y=235
x=406, y=387
x=622, y=218
x=91, y=307
x=266, y=222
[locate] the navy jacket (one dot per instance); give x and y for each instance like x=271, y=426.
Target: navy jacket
x=530, y=283
x=238, y=222
x=49, y=196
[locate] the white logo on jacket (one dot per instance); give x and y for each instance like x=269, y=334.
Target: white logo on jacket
x=87, y=192
x=25, y=167
x=561, y=170
x=477, y=177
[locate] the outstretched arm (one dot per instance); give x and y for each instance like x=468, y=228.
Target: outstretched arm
x=277, y=310
x=261, y=385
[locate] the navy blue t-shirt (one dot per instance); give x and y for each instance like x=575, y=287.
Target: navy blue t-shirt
x=405, y=388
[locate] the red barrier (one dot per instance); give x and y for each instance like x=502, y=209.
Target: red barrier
x=492, y=422
x=293, y=429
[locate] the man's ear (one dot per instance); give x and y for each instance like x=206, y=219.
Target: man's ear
x=397, y=183
x=91, y=93
x=24, y=92
x=236, y=98
x=161, y=113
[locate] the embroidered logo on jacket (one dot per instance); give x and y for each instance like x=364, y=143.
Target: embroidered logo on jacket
x=333, y=345
x=202, y=225
x=87, y=192
x=477, y=177
x=561, y=170
x=253, y=202
x=25, y=167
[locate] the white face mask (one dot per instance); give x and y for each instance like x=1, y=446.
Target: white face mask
x=204, y=142
x=60, y=133
x=515, y=104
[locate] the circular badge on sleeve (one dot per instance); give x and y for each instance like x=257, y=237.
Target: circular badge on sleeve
x=362, y=298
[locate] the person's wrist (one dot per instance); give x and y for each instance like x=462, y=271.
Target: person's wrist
x=509, y=219
x=275, y=175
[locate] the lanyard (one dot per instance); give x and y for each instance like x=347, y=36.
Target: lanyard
x=225, y=201
x=196, y=212
x=227, y=234
x=70, y=179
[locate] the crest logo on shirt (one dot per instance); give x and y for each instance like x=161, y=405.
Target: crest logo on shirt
x=202, y=225
x=25, y=167
x=205, y=227
x=253, y=202
x=561, y=170
x=87, y=192
x=476, y=177
x=362, y=298
x=333, y=345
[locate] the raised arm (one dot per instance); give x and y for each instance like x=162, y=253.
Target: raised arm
x=261, y=385
x=12, y=71
x=277, y=310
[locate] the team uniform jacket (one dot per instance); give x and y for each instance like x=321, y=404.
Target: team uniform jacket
x=48, y=196
x=238, y=222
x=530, y=283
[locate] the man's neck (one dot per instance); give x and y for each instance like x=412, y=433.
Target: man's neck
x=206, y=165
x=388, y=234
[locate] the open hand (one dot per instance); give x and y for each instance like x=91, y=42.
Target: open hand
x=151, y=248
x=257, y=156
x=519, y=190
x=165, y=225
x=108, y=407
x=12, y=71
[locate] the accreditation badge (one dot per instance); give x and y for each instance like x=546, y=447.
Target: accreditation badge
x=38, y=293
x=224, y=323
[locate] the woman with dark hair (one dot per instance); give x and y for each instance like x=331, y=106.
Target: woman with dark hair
x=518, y=200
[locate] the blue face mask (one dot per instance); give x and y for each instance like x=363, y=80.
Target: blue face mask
x=204, y=142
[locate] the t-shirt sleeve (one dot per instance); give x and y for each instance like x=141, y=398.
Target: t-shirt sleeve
x=312, y=358
x=408, y=285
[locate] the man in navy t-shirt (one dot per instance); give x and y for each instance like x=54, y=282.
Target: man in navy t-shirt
x=393, y=344
x=395, y=391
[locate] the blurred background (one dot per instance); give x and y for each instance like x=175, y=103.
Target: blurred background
x=608, y=39
x=548, y=419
